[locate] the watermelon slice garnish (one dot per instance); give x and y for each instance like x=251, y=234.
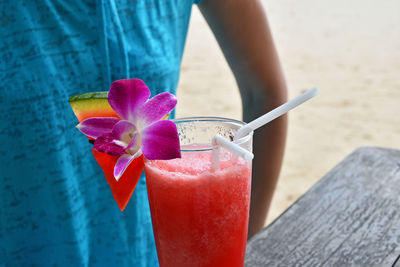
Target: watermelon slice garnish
x=126, y=126
x=95, y=104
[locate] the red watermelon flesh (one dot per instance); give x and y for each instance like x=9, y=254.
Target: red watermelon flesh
x=123, y=189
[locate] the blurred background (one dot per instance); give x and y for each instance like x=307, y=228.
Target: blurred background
x=349, y=50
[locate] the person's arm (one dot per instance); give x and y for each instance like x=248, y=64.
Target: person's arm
x=242, y=31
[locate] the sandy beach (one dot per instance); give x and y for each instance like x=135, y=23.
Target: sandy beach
x=349, y=50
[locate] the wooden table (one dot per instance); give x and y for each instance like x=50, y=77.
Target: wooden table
x=351, y=217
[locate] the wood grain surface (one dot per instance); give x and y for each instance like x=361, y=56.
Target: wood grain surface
x=351, y=217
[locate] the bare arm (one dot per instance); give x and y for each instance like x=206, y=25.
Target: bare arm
x=242, y=31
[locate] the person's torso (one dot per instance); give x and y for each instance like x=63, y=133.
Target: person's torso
x=55, y=204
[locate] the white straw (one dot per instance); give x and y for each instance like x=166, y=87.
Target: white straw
x=236, y=149
x=275, y=113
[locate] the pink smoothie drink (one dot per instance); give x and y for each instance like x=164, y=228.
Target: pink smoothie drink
x=200, y=214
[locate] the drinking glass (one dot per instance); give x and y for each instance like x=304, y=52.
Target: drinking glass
x=199, y=211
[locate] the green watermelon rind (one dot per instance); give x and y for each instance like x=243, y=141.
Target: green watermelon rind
x=88, y=96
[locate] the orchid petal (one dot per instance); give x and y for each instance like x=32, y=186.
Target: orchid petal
x=157, y=107
x=123, y=163
x=122, y=130
x=127, y=96
x=106, y=143
x=95, y=127
x=160, y=140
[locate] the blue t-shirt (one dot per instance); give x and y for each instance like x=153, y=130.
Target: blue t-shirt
x=55, y=205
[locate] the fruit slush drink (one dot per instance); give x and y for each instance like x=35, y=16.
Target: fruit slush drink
x=199, y=214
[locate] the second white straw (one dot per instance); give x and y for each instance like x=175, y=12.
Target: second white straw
x=236, y=149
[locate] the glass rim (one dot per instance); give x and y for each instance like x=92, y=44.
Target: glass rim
x=240, y=141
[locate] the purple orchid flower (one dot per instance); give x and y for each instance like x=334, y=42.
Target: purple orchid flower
x=140, y=128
